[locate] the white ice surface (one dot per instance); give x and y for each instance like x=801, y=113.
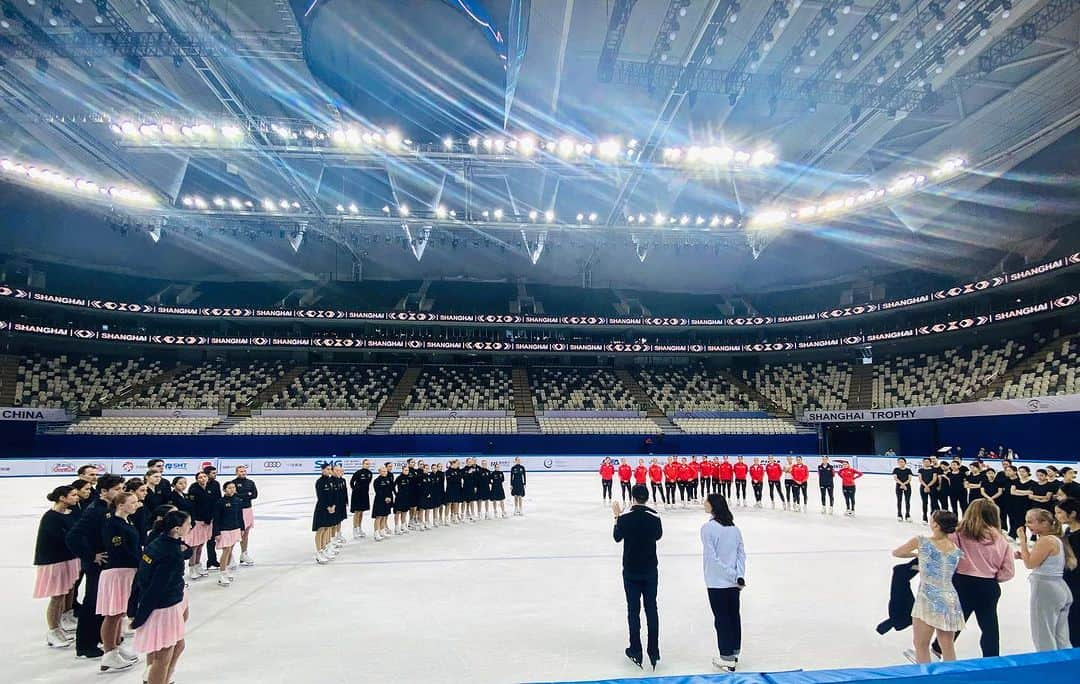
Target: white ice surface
x=532, y=599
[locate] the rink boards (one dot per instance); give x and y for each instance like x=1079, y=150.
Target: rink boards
x=550, y=463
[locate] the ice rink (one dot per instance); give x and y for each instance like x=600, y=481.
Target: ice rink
x=534, y=598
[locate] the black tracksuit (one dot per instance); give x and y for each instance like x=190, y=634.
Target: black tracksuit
x=825, y=475
x=228, y=515
x=122, y=541
x=517, y=480
x=213, y=488
x=85, y=541
x=201, y=504
x=159, y=581
x=246, y=491
x=639, y=529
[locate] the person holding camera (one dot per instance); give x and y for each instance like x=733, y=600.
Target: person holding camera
x=638, y=529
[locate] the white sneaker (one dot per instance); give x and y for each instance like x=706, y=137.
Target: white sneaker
x=193, y=573
x=68, y=623
x=127, y=632
x=246, y=560
x=356, y=533
x=223, y=580
x=57, y=639
x=321, y=559
x=724, y=665
x=360, y=532
x=114, y=662
x=203, y=571
x=377, y=536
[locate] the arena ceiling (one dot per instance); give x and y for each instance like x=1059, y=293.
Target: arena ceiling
x=848, y=96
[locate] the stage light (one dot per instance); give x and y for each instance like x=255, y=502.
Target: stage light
x=487, y=144
x=353, y=209
x=762, y=158
x=699, y=221
x=232, y=132
x=741, y=157
x=440, y=211
x=385, y=209
x=236, y=203
x=219, y=202
x=485, y=213
x=187, y=201
x=532, y=215
x=580, y=217
x=527, y=146
x=566, y=147
x=403, y=210
x=684, y=220
x=200, y=203
x=608, y=149
x=169, y=130
x=592, y=217
x=473, y=142
x=549, y=216
x=338, y=136
x=453, y=213
x=658, y=218
x=500, y=145
x=205, y=130
x=498, y=214
x=728, y=220
x=284, y=204
x=714, y=221
x=129, y=128
x=149, y=130
x=448, y=143
x=340, y=208
x=630, y=218
x=641, y=218
x=768, y=218
x=352, y=136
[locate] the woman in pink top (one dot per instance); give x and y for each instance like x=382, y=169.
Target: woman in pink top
x=987, y=561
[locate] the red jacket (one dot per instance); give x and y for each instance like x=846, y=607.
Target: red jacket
x=694, y=467
x=607, y=471
x=727, y=473
x=656, y=473
x=639, y=474
x=671, y=472
x=740, y=471
x=757, y=472
x=800, y=472
x=848, y=476
x=625, y=472
x=774, y=472
x=686, y=473
x=706, y=469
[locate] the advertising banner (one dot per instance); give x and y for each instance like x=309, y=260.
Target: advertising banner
x=998, y=407
x=41, y=415
x=313, y=413
x=161, y=413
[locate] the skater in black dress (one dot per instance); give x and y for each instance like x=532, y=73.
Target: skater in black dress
x=322, y=521
x=427, y=498
x=341, y=504
x=468, y=481
x=382, y=503
x=483, y=490
x=441, y=506
x=498, y=492
x=517, y=486
x=455, y=490
x=361, y=486
x=402, y=503
x=416, y=479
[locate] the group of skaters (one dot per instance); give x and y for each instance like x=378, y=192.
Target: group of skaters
x=686, y=481
x=133, y=544
x=421, y=497
x=952, y=485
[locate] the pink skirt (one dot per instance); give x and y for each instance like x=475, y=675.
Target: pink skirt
x=228, y=538
x=249, y=517
x=164, y=628
x=56, y=579
x=114, y=590
x=199, y=534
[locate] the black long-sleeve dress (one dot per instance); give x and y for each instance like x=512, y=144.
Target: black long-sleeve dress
x=384, y=489
x=325, y=496
x=360, y=484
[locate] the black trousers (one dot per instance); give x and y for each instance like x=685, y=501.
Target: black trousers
x=725, y=488
x=849, y=497
x=826, y=490
x=658, y=492
x=804, y=488
x=758, y=487
x=691, y=490
x=670, y=488
x=1074, y=616
x=682, y=491
x=956, y=502
x=740, y=489
x=728, y=622
x=211, y=554
x=625, y=486
x=929, y=503
x=642, y=590
x=775, y=486
x=980, y=595
x=88, y=632
x=903, y=496
x=792, y=491
x=606, y=485
x=716, y=484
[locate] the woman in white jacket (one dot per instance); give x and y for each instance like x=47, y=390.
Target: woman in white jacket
x=724, y=561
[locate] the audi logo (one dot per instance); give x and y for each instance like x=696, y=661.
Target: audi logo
x=271, y=464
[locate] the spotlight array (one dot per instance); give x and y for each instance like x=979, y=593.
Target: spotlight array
x=55, y=180
x=611, y=150
x=774, y=217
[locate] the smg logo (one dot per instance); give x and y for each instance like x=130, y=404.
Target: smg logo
x=322, y=462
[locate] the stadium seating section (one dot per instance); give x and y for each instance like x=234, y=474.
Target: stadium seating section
x=337, y=387
x=693, y=389
x=214, y=385
x=77, y=383
x=567, y=399
x=800, y=386
x=462, y=387
x=579, y=389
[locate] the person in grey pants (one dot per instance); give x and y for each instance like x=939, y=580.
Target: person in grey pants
x=1050, y=595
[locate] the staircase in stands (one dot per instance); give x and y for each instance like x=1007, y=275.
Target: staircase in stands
x=642, y=398
x=763, y=401
x=524, y=409
x=136, y=390
x=9, y=376
x=222, y=427
x=1028, y=363
x=272, y=390
x=861, y=389
x=390, y=409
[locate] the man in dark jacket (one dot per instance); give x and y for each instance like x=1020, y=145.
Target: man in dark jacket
x=85, y=541
x=639, y=529
x=213, y=488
